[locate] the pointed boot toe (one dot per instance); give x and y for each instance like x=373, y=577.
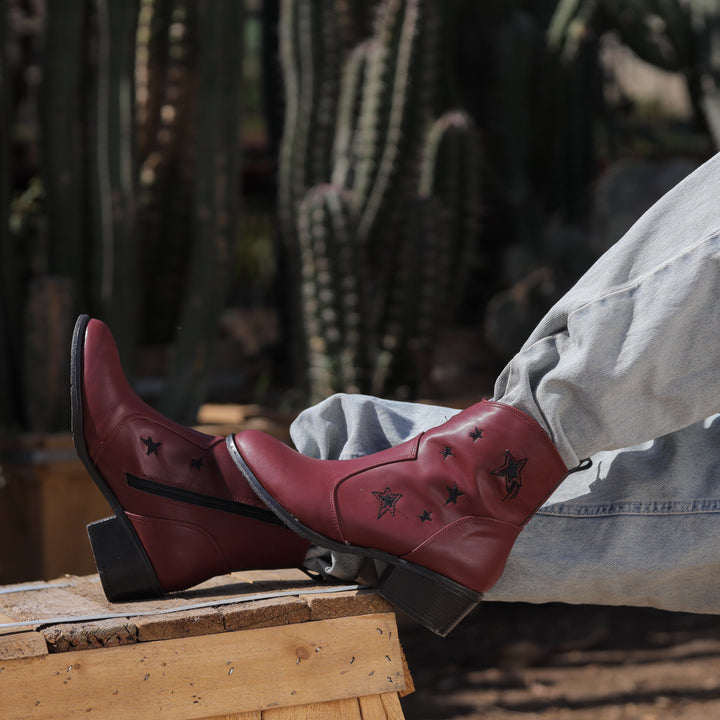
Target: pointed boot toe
x=182, y=512
x=442, y=510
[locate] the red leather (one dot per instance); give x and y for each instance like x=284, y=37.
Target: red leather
x=448, y=500
x=186, y=543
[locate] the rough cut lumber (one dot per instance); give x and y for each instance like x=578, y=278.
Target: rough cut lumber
x=199, y=677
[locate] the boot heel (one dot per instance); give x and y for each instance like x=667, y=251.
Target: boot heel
x=434, y=601
x=123, y=565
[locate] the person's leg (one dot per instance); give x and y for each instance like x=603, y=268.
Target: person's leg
x=630, y=353
x=626, y=356
x=640, y=527
x=644, y=531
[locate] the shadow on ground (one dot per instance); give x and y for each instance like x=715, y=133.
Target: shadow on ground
x=562, y=661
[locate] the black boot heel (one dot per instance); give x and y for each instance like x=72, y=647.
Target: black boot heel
x=124, y=567
x=434, y=601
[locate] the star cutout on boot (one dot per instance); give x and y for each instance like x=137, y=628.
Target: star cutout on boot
x=152, y=447
x=476, y=434
x=425, y=516
x=453, y=494
x=196, y=463
x=510, y=470
x=388, y=501
x=447, y=452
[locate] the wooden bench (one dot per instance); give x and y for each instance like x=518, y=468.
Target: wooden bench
x=247, y=646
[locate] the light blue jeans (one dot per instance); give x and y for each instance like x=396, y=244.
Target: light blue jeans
x=625, y=370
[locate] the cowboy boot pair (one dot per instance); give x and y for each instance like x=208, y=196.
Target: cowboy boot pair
x=440, y=512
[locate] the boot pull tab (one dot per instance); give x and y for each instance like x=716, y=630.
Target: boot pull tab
x=585, y=464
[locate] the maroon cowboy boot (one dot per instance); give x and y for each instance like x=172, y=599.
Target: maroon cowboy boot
x=183, y=513
x=442, y=510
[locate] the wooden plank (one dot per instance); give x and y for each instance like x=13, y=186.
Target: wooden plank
x=392, y=707
x=371, y=707
x=381, y=707
x=199, y=677
x=409, y=682
x=341, y=604
x=265, y=613
x=347, y=709
x=22, y=644
x=7, y=619
x=89, y=636
x=49, y=602
x=188, y=623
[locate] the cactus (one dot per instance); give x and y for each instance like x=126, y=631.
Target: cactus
x=112, y=170
x=332, y=291
x=311, y=57
x=452, y=164
x=215, y=200
x=416, y=299
x=396, y=108
x=61, y=118
x=9, y=405
x=165, y=152
x=377, y=253
x=345, y=144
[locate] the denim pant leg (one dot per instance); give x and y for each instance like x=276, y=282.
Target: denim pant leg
x=630, y=353
x=640, y=527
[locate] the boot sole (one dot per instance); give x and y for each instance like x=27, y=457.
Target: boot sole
x=125, y=570
x=433, y=600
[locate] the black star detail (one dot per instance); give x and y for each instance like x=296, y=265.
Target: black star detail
x=425, y=516
x=476, y=434
x=388, y=501
x=446, y=452
x=196, y=463
x=453, y=494
x=152, y=447
x=510, y=470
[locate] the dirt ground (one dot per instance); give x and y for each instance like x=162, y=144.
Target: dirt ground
x=518, y=661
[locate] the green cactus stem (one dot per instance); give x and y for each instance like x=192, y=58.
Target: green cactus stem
x=332, y=292
x=396, y=106
x=112, y=172
x=451, y=172
x=9, y=403
x=311, y=57
x=61, y=128
x=219, y=54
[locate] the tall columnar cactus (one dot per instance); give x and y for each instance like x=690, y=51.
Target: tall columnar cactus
x=396, y=106
x=311, y=57
x=368, y=320
x=333, y=286
x=8, y=401
x=451, y=172
x=215, y=202
x=112, y=170
x=166, y=156
x=62, y=121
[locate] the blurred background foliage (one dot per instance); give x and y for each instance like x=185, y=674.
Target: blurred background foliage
x=273, y=200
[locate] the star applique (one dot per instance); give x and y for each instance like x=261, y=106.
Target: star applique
x=152, y=447
x=388, y=501
x=453, y=494
x=476, y=434
x=425, y=516
x=447, y=452
x=510, y=470
x=196, y=463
